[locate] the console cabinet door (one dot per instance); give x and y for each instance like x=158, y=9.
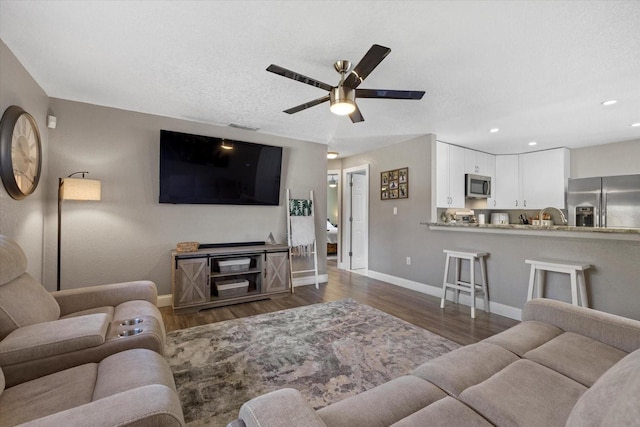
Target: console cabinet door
x=276, y=272
x=191, y=284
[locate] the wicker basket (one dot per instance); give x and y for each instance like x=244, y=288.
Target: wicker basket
x=187, y=246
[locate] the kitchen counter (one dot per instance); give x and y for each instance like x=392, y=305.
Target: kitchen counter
x=539, y=230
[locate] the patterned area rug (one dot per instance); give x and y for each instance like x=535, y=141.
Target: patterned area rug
x=327, y=351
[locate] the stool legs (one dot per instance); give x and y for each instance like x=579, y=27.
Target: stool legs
x=583, y=290
x=576, y=276
x=444, y=282
x=472, y=287
x=483, y=272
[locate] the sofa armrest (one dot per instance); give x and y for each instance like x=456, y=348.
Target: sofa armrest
x=610, y=329
x=151, y=405
x=46, y=339
x=285, y=407
x=74, y=300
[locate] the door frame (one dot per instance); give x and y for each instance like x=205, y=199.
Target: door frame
x=337, y=173
x=345, y=213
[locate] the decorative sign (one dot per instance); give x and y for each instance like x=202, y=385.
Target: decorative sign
x=394, y=184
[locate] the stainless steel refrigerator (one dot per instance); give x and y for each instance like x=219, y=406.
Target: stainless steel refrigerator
x=610, y=201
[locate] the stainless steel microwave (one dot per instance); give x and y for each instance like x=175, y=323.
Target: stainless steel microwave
x=477, y=186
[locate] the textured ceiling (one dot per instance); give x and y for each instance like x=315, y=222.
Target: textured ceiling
x=536, y=70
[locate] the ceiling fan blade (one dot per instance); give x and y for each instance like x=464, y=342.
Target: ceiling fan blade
x=276, y=69
x=371, y=59
x=389, y=94
x=356, y=116
x=307, y=105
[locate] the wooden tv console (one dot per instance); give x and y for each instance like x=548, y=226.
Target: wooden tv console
x=195, y=276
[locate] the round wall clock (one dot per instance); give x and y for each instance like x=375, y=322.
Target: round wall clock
x=20, y=152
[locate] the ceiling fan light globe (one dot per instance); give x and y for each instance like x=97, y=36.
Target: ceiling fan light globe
x=343, y=108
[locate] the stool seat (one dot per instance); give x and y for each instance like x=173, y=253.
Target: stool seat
x=573, y=269
x=471, y=286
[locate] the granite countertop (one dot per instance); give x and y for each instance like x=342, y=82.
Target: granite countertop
x=565, y=228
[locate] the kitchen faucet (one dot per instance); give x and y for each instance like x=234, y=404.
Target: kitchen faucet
x=562, y=217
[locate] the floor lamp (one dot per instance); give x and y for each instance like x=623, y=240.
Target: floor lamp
x=70, y=188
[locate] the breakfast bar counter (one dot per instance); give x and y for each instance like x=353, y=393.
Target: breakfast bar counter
x=538, y=230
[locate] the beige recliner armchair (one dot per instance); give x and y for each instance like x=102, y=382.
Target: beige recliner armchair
x=42, y=333
x=131, y=388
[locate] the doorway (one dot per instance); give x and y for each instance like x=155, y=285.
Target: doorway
x=333, y=213
x=355, y=239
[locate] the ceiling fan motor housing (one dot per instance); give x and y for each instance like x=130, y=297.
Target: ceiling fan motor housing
x=343, y=100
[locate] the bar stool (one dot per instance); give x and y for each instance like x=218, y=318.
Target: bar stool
x=471, y=286
x=575, y=272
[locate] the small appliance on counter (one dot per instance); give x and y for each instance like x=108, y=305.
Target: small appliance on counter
x=499, y=218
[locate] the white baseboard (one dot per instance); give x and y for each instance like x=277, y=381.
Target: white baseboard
x=436, y=291
x=165, y=300
x=310, y=280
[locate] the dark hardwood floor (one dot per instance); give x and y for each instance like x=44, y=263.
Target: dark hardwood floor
x=454, y=322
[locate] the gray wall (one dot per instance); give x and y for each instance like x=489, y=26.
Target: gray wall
x=393, y=238
x=23, y=220
x=128, y=235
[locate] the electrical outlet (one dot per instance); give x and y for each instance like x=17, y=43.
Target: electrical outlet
x=395, y=210
x=408, y=260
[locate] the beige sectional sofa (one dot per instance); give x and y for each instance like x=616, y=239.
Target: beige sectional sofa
x=561, y=366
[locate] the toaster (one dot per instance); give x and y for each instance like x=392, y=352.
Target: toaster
x=499, y=218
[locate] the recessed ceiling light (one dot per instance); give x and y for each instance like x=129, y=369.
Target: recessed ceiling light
x=635, y=125
x=610, y=102
x=494, y=130
x=532, y=143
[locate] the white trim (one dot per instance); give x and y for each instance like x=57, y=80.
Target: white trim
x=165, y=300
x=347, y=207
x=436, y=291
x=310, y=280
x=337, y=172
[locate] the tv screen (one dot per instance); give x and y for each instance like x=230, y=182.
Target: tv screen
x=197, y=169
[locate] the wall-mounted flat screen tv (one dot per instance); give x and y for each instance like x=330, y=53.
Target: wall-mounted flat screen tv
x=198, y=169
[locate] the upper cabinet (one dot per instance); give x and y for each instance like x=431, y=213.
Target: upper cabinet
x=543, y=178
x=478, y=163
x=506, y=191
x=532, y=180
x=449, y=176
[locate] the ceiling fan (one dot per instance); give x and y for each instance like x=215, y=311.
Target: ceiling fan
x=343, y=96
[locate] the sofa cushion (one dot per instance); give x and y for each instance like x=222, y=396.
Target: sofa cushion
x=383, y=405
x=48, y=395
x=46, y=339
x=23, y=302
x=150, y=368
x=613, y=399
x=580, y=358
x=524, y=394
x=447, y=412
x=525, y=336
x=466, y=366
x=610, y=329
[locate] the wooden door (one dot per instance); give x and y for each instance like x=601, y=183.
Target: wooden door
x=276, y=272
x=191, y=284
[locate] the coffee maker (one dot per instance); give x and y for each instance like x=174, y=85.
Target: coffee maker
x=584, y=216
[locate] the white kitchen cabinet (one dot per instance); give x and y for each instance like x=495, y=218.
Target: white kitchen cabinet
x=505, y=189
x=449, y=176
x=532, y=180
x=543, y=178
x=479, y=163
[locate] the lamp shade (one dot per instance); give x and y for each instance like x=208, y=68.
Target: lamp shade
x=80, y=189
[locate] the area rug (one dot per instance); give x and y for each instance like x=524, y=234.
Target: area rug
x=327, y=351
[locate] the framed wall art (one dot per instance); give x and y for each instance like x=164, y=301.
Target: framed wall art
x=394, y=184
